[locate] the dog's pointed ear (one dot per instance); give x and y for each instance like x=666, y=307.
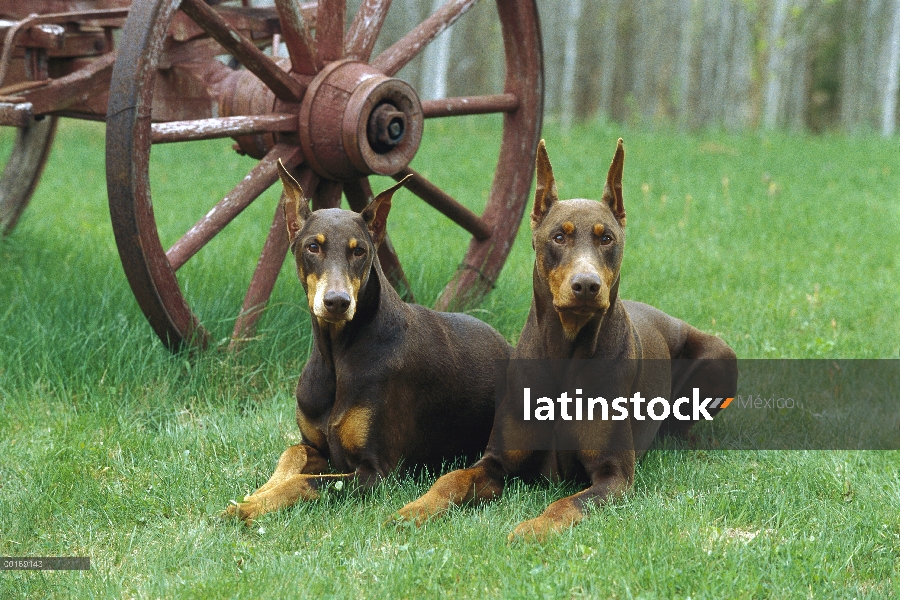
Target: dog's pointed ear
x=545, y=188
x=376, y=213
x=294, y=204
x=612, y=191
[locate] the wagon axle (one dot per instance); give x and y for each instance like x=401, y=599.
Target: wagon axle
x=386, y=127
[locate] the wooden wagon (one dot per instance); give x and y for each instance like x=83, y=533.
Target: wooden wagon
x=332, y=109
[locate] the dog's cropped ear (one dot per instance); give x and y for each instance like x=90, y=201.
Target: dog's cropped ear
x=376, y=213
x=545, y=191
x=295, y=207
x=612, y=191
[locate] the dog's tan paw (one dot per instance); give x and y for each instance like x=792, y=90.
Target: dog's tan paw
x=538, y=530
x=415, y=512
x=247, y=511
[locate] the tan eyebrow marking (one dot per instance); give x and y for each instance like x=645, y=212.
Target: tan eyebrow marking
x=598, y=229
x=320, y=238
x=352, y=243
x=568, y=227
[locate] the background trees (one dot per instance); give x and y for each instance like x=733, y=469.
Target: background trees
x=737, y=64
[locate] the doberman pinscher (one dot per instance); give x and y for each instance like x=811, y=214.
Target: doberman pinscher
x=576, y=314
x=387, y=382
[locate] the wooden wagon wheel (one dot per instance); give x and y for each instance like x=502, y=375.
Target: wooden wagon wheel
x=23, y=169
x=333, y=113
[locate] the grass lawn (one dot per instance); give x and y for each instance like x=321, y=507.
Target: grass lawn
x=785, y=246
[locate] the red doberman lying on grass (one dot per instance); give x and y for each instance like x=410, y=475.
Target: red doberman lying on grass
x=386, y=381
x=576, y=314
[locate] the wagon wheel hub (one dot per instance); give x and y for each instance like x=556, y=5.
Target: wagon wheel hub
x=355, y=121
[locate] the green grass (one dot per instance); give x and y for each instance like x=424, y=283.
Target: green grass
x=785, y=246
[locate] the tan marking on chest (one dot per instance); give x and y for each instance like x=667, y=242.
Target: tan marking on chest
x=353, y=428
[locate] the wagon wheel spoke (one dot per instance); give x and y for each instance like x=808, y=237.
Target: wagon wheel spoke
x=363, y=33
x=278, y=80
x=267, y=268
x=327, y=194
x=260, y=178
x=359, y=195
x=404, y=50
x=445, y=204
x=297, y=38
x=470, y=105
x=330, y=29
x=221, y=127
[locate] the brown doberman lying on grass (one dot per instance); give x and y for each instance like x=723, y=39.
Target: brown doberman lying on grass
x=387, y=382
x=576, y=314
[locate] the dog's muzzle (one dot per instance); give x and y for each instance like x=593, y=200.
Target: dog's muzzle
x=332, y=301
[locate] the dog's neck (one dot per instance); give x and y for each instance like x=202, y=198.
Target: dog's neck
x=602, y=336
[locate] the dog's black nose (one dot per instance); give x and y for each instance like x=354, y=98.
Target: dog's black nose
x=336, y=302
x=586, y=286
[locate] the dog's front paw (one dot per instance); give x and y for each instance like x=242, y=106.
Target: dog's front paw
x=247, y=511
x=539, y=529
x=415, y=512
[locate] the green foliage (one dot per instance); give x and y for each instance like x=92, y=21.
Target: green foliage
x=782, y=245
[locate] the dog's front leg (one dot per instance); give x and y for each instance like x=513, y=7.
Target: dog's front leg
x=483, y=481
x=284, y=494
x=609, y=479
x=287, y=493
x=282, y=489
x=298, y=459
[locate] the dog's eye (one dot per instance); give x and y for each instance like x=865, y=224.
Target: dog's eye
x=559, y=238
x=606, y=239
x=313, y=248
x=359, y=251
